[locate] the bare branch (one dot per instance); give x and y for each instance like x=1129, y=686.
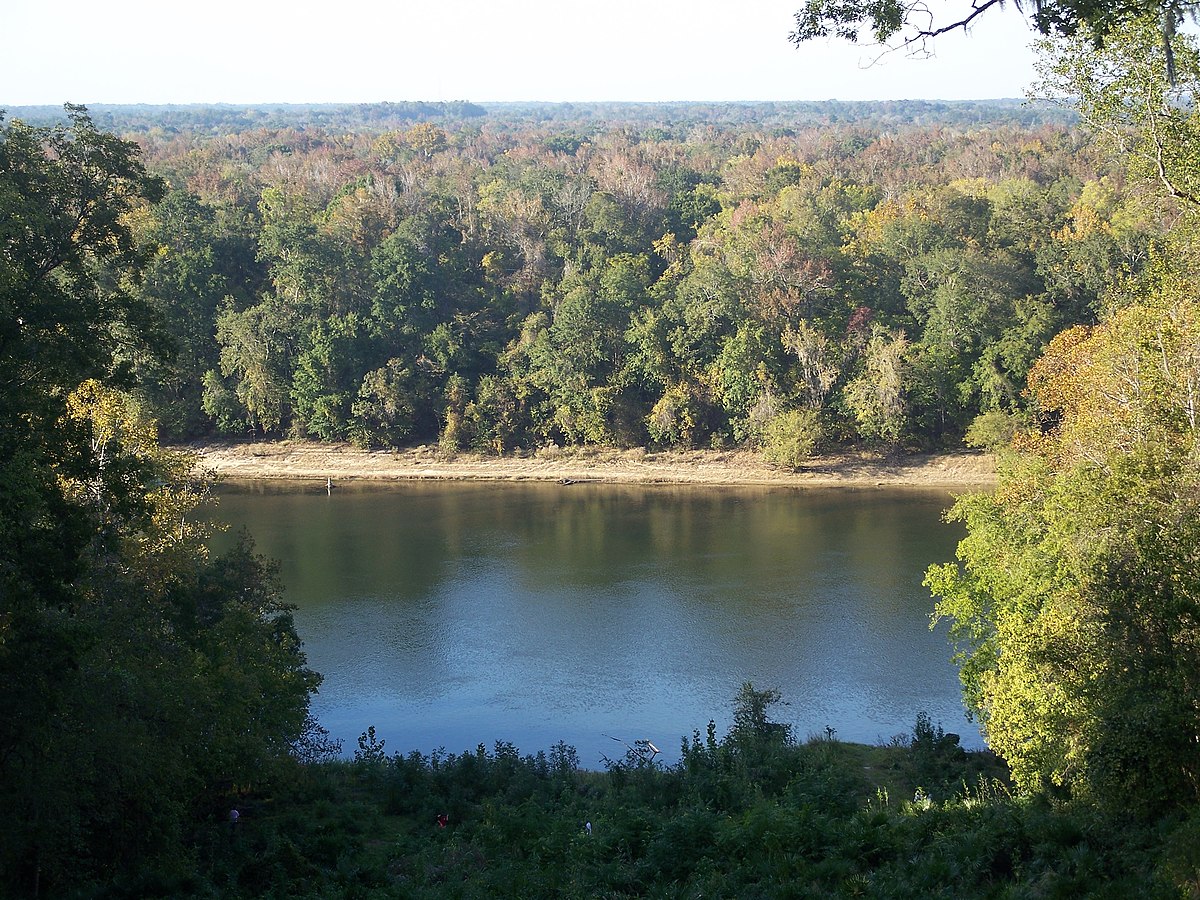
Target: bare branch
x=924, y=34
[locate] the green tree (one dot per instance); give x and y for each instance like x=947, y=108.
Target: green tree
x=1076, y=603
x=1135, y=93
x=385, y=409
x=577, y=358
x=199, y=263
x=139, y=674
x=69, y=260
x=492, y=417
x=258, y=349
x=327, y=373
x=678, y=417
x=753, y=733
x=791, y=437
x=743, y=372
x=877, y=397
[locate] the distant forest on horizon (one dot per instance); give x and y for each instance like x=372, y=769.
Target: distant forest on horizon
x=140, y=117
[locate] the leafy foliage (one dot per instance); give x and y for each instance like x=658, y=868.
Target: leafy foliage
x=142, y=678
x=1077, y=601
x=792, y=437
x=570, y=283
x=1136, y=92
x=913, y=25
x=737, y=816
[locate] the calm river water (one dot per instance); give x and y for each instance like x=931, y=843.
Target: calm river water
x=452, y=614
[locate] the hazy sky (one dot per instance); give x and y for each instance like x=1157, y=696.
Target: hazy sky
x=249, y=51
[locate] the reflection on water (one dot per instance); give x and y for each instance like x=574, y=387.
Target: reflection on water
x=447, y=615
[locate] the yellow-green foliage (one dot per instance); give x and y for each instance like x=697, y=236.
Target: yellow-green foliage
x=992, y=430
x=1076, y=601
x=792, y=437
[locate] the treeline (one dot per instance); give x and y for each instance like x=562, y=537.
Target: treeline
x=680, y=117
x=676, y=118
x=222, y=118
x=498, y=286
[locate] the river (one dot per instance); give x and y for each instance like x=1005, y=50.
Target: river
x=453, y=614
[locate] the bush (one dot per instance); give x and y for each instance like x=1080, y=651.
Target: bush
x=675, y=419
x=792, y=437
x=992, y=430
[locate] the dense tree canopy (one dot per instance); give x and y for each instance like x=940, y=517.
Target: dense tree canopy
x=141, y=677
x=517, y=285
x=1076, y=602
x=514, y=284
x=1079, y=607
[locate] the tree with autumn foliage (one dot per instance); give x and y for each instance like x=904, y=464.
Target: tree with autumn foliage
x=1075, y=602
x=1076, y=606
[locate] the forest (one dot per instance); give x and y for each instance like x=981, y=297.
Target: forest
x=508, y=280
x=499, y=283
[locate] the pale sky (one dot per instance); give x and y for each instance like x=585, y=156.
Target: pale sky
x=258, y=51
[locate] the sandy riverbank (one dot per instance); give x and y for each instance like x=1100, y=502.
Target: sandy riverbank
x=342, y=462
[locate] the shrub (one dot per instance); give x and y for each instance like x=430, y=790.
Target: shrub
x=992, y=430
x=792, y=437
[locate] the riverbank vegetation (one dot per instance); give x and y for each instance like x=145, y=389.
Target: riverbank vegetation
x=139, y=673
x=1076, y=597
x=750, y=814
x=784, y=278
